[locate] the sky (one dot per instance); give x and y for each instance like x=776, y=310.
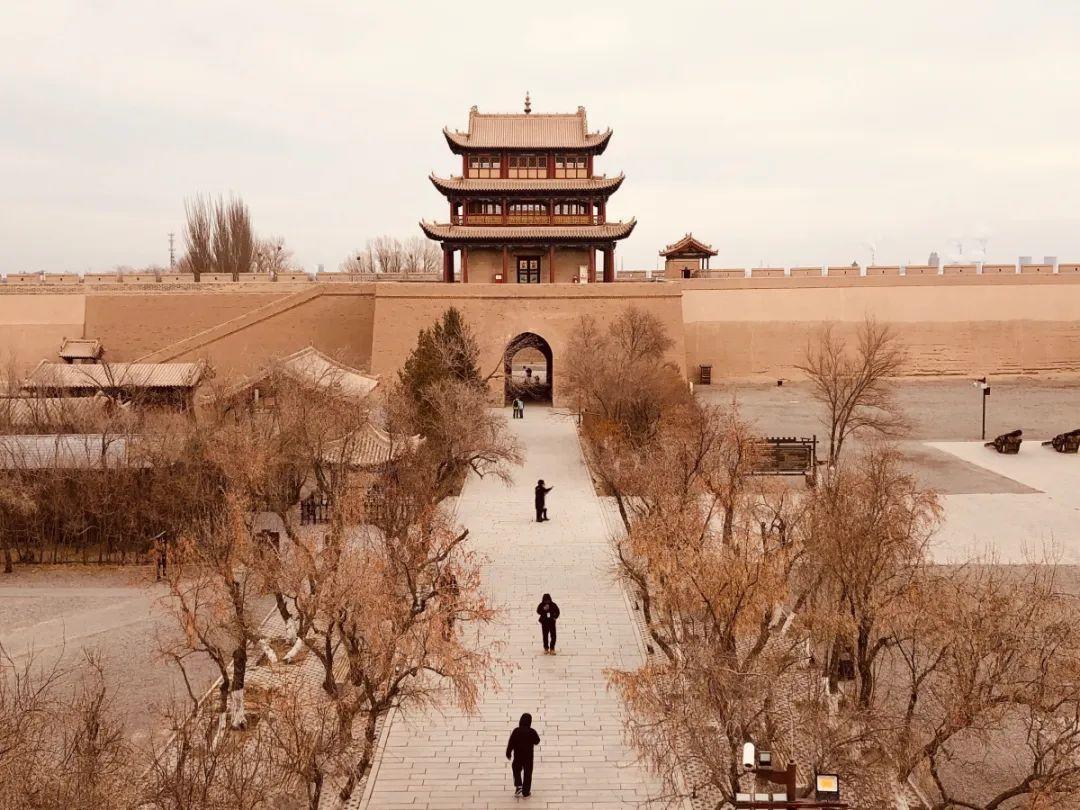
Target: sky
x=783, y=133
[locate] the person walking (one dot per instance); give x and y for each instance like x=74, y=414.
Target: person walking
x=548, y=612
x=523, y=740
x=521, y=408
x=540, y=501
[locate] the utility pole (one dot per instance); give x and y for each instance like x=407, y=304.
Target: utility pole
x=982, y=384
x=172, y=252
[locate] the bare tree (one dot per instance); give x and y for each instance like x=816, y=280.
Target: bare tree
x=623, y=376
x=219, y=237
x=388, y=254
x=61, y=744
x=852, y=383
x=273, y=256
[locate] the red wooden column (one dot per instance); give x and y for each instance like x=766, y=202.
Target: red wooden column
x=464, y=265
x=506, y=263
x=448, y=264
x=551, y=264
x=592, y=264
x=609, y=264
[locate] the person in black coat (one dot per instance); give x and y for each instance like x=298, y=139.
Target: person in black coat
x=541, y=508
x=523, y=740
x=548, y=612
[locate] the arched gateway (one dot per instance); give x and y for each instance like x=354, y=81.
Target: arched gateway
x=528, y=369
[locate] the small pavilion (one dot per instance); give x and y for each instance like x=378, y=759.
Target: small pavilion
x=686, y=257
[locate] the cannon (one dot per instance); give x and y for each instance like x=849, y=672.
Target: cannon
x=1068, y=442
x=1008, y=443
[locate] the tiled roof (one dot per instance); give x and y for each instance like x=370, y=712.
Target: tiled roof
x=688, y=244
x=510, y=233
x=528, y=131
x=63, y=451
x=370, y=447
x=469, y=184
x=309, y=365
x=114, y=375
x=81, y=349
x=25, y=412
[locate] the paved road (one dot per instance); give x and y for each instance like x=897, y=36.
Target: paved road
x=455, y=761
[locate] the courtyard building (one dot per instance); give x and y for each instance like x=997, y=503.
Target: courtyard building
x=528, y=207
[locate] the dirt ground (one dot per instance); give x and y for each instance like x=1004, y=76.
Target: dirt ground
x=59, y=612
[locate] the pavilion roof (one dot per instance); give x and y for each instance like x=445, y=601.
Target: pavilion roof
x=480, y=185
x=527, y=131
x=311, y=367
x=527, y=233
x=114, y=375
x=688, y=246
x=370, y=447
x=81, y=349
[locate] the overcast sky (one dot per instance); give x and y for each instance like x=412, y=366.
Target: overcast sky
x=781, y=132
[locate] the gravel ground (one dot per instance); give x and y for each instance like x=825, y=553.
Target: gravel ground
x=57, y=613
x=941, y=410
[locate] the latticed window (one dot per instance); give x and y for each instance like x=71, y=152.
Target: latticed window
x=572, y=166
x=484, y=166
x=484, y=212
x=487, y=207
x=528, y=212
x=527, y=167
x=571, y=209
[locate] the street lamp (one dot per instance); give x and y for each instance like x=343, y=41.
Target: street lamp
x=981, y=383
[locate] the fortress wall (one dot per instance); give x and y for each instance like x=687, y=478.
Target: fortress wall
x=32, y=327
x=337, y=321
x=950, y=324
x=498, y=313
x=131, y=325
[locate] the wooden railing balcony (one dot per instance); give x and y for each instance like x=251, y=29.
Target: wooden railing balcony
x=526, y=219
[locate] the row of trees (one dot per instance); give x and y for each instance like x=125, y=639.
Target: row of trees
x=387, y=254
x=220, y=238
x=814, y=622
x=378, y=608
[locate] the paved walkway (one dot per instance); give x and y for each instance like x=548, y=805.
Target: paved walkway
x=1014, y=528
x=455, y=761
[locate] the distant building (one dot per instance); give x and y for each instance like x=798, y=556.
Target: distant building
x=686, y=257
x=528, y=207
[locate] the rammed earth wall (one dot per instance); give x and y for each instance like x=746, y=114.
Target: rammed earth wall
x=743, y=327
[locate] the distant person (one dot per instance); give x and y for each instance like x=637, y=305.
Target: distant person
x=540, y=501
x=519, y=406
x=161, y=547
x=523, y=740
x=548, y=612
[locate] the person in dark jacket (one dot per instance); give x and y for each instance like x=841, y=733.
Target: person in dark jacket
x=548, y=612
x=523, y=740
x=541, y=507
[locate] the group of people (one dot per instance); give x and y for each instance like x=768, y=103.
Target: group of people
x=524, y=739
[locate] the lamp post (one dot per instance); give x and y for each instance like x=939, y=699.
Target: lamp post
x=982, y=384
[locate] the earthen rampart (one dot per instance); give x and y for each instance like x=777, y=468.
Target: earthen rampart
x=743, y=326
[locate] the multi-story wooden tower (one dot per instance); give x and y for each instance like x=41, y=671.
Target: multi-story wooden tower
x=528, y=208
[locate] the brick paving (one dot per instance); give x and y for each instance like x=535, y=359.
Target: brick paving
x=450, y=760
